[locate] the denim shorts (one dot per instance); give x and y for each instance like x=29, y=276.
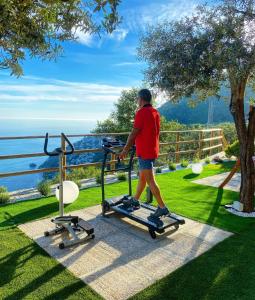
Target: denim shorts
x=145, y=164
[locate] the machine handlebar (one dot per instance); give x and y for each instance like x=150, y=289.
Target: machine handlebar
x=58, y=151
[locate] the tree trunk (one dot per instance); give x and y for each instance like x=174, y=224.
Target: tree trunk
x=246, y=135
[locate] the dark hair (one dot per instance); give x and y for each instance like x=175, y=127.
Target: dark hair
x=145, y=94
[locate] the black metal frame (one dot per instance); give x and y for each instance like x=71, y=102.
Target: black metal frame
x=153, y=225
x=110, y=150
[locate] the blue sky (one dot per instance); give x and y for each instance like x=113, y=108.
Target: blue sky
x=85, y=82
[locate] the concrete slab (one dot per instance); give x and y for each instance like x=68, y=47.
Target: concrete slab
x=216, y=180
x=123, y=259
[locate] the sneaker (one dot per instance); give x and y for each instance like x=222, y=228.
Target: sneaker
x=131, y=202
x=160, y=212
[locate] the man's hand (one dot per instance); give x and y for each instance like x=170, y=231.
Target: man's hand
x=130, y=143
x=123, y=154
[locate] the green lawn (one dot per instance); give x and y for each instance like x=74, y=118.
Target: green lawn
x=29, y=273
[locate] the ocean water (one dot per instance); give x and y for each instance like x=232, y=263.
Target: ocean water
x=26, y=128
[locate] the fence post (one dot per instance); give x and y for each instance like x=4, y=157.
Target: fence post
x=112, y=165
x=63, y=147
x=211, y=142
x=223, y=141
x=201, y=136
x=177, y=148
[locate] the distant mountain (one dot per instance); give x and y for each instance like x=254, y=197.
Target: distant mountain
x=184, y=113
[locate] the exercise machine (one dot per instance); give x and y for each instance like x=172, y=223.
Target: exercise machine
x=70, y=224
x=119, y=203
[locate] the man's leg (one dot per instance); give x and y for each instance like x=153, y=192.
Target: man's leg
x=141, y=185
x=150, y=179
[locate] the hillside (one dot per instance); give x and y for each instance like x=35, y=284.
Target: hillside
x=184, y=113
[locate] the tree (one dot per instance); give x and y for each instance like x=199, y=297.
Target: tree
x=197, y=54
x=36, y=28
x=122, y=117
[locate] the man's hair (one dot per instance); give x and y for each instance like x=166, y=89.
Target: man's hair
x=145, y=94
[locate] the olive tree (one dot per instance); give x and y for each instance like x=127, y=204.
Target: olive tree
x=36, y=28
x=197, y=54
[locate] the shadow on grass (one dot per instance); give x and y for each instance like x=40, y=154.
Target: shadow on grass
x=28, y=215
x=10, y=262
x=48, y=281
x=224, y=272
x=190, y=176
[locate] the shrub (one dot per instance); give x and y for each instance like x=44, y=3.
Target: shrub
x=233, y=150
x=172, y=166
x=78, y=182
x=98, y=179
x=196, y=160
x=3, y=189
x=44, y=187
x=207, y=160
x=4, y=197
x=158, y=170
x=122, y=177
x=184, y=163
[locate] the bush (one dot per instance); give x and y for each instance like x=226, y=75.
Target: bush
x=3, y=189
x=184, y=163
x=98, y=179
x=207, y=160
x=196, y=160
x=172, y=166
x=233, y=150
x=4, y=197
x=44, y=188
x=78, y=182
x=158, y=170
x=122, y=177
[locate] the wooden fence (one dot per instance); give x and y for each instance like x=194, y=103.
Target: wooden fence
x=204, y=142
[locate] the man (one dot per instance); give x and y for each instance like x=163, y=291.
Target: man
x=145, y=134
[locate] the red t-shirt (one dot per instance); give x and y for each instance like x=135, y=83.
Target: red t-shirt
x=147, y=119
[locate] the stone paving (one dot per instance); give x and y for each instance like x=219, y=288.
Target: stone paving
x=123, y=259
x=216, y=180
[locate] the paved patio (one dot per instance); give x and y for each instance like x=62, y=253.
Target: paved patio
x=216, y=180
x=123, y=259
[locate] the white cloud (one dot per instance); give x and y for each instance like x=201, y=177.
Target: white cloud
x=118, y=34
x=94, y=40
x=138, y=19
x=84, y=38
x=127, y=63
x=37, y=90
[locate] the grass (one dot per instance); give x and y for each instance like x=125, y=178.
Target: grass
x=225, y=272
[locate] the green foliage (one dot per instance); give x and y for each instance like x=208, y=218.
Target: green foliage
x=78, y=174
x=3, y=189
x=229, y=131
x=207, y=160
x=196, y=160
x=37, y=28
x=233, y=149
x=98, y=179
x=158, y=170
x=190, y=56
x=184, y=163
x=122, y=117
x=122, y=177
x=44, y=188
x=172, y=166
x=78, y=182
x=4, y=197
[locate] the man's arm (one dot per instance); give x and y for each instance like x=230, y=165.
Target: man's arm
x=130, y=142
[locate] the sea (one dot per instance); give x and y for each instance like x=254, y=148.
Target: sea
x=27, y=128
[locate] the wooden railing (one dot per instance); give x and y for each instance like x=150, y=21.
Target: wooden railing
x=207, y=141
